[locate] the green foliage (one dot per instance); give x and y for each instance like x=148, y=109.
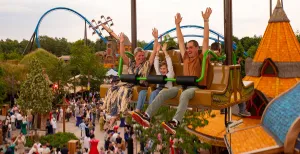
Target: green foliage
x=2, y=86
x=252, y=50
x=35, y=93
x=46, y=59
x=57, y=46
x=58, y=140
x=298, y=35
x=100, y=45
x=170, y=41
x=87, y=63
x=14, y=55
x=247, y=42
x=13, y=76
x=141, y=44
x=196, y=119
x=60, y=74
x=29, y=142
x=9, y=45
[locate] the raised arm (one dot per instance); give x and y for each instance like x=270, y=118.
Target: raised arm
x=206, y=16
x=152, y=56
x=169, y=61
x=180, y=39
x=122, y=50
x=156, y=60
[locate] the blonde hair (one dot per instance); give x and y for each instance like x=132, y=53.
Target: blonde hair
x=137, y=50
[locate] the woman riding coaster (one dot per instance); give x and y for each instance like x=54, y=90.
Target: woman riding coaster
x=118, y=96
x=163, y=68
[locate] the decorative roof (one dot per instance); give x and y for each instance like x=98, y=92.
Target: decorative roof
x=126, y=41
x=285, y=69
x=272, y=86
x=278, y=43
x=282, y=112
x=279, y=14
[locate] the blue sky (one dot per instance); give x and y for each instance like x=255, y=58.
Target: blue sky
x=19, y=17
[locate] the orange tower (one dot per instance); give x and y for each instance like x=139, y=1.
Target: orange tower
x=276, y=65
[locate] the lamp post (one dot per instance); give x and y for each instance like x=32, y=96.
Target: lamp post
x=133, y=25
x=270, y=8
x=64, y=106
x=228, y=38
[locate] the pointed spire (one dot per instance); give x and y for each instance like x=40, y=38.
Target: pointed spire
x=279, y=14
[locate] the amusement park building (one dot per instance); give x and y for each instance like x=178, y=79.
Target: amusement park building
x=276, y=65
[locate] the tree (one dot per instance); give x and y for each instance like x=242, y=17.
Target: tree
x=247, y=42
x=141, y=44
x=298, y=35
x=46, y=59
x=62, y=47
x=35, y=94
x=87, y=63
x=252, y=50
x=2, y=86
x=60, y=74
x=13, y=75
x=170, y=41
x=100, y=45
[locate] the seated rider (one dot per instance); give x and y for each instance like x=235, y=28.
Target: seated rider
x=192, y=61
x=118, y=96
x=163, y=68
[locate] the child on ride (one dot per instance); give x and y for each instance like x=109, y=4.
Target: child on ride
x=164, y=68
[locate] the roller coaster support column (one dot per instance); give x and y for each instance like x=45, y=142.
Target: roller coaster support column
x=29, y=42
x=133, y=25
x=228, y=38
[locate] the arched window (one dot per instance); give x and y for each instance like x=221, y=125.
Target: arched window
x=269, y=68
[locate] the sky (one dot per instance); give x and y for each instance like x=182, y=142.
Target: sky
x=250, y=17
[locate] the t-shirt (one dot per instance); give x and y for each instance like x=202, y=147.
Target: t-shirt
x=53, y=123
x=19, y=116
x=45, y=151
x=86, y=142
x=192, y=67
x=64, y=151
x=13, y=118
x=119, y=140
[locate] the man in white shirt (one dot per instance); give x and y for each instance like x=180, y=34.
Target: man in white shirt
x=19, y=120
x=54, y=125
x=82, y=127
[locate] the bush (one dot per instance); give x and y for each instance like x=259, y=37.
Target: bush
x=29, y=142
x=58, y=140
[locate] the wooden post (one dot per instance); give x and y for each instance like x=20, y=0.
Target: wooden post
x=270, y=8
x=64, y=121
x=133, y=26
x=64, y=105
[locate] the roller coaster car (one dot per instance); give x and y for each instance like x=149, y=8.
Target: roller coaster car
x=225, y=89
x=176, y=59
